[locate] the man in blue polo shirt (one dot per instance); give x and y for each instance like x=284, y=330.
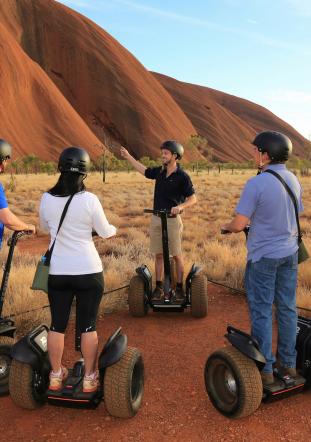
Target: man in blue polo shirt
x=271, y=271
x=7, y=218
x=174, y=192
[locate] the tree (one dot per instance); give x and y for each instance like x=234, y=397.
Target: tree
x=200, y=144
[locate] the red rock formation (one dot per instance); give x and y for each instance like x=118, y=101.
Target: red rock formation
x=64, y=81
x=34, y=115
x=229, y=123
x=111, y=91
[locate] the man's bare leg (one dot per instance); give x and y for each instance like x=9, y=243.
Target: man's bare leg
x=158, y=291
x=159, y=266
x=180, y=275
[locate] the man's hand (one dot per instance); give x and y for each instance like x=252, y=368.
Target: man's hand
x=188, y=203
x=31, y=229
x=124, y=153
x=136, y=164
x=237, y=224
x=176, y=210
x=225, y=229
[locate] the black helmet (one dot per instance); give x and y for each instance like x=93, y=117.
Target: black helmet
x=278, y=146
x=5, y=150
x=174, y=147
x=74, y=159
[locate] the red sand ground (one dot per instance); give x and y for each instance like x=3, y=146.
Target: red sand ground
x=175, y=405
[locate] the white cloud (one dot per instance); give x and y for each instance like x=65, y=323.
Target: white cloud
x=192, y=21
x=300, y=7
x=201, y=22
x=293, y=106
x=299, y=120
x=252, y=21
x=290, y=96
x=168, y=14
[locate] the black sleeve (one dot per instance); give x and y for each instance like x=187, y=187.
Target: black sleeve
x=188, y=188
x=152, y=172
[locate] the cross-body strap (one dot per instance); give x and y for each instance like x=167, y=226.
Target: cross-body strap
x=49, y=252
x=293, y=198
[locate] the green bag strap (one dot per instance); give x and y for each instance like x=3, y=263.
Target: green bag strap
x=48, y=253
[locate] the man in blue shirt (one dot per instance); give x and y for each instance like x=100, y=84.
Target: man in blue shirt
x=7, y=218
x=272, y=245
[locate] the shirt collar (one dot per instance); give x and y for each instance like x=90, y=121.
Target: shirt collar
x=178, y=169
x=275, y=167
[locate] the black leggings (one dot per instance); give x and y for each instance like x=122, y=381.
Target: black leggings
x=88, y=290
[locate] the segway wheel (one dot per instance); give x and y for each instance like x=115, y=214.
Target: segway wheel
x=138, y=306
x=199, y=300
x=27, y=387
x=124, y=385
x=6, y=344
x=233, y=383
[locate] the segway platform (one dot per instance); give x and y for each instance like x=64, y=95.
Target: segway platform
x=232, y=374
x=121, y=376
x=140, y=292
x=162, y=306
x=72, y=395
x=283, y=387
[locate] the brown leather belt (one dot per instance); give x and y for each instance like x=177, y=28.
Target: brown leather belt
x=169, y=215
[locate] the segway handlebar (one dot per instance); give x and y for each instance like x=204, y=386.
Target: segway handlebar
x=17, y=234
x=7, y=266
x=157, y=212
x=245, y=230
x=224, y=231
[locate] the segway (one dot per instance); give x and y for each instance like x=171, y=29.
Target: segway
x=232, y=374
x=7, y=328
x=140, y=290
x=121, y=376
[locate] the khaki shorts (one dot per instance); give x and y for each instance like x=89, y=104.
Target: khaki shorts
x=174, y=226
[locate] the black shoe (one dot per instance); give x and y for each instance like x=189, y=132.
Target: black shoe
x=157, y=294
x=179, y=294
x=267, y=378
x=282, y=370
x=287, y=371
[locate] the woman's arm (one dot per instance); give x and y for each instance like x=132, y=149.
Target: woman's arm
x=100, y=222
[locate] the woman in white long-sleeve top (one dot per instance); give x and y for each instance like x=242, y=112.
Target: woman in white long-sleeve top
x=75, y=269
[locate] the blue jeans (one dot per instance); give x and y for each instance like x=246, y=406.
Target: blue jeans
x=268, y=281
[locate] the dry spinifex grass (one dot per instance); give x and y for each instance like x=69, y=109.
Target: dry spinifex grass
x=124, y=196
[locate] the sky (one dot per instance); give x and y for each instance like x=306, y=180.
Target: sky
x=259, y=50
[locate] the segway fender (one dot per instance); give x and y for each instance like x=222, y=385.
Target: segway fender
x=7, y=330
x=32, y=349
x=145, y=274
x=246, y=345
x=112, y=352
x=193, y=271
x=22, y=352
